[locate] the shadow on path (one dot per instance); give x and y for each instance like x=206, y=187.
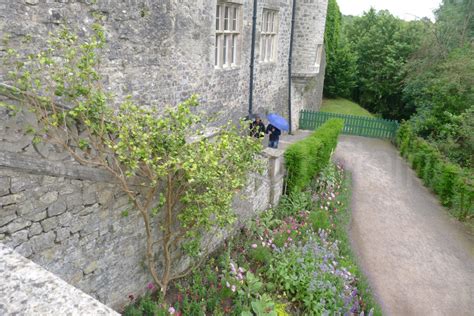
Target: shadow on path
x=418, y=259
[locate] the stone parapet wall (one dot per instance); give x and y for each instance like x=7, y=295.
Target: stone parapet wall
x=28, y=289
x=76, y=223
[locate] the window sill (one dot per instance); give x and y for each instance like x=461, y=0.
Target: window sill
x=227, y=68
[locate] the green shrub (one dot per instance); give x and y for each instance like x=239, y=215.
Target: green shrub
x=452, y=183
x=319, y=220
x=261, y=255
x=307, y=157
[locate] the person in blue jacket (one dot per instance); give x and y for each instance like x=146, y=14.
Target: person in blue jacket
x=274, y=136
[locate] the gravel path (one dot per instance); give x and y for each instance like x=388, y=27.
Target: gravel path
x=418, y=260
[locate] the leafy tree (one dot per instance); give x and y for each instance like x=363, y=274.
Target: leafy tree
x=440, y=82
x=341, y=71
x=181, y=186
x=382, y=44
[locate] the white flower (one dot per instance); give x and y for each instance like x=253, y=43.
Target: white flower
x=171, y=310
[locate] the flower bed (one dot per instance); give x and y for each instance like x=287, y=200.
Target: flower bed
x=292, y=260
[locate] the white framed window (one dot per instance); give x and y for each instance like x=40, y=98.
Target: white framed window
x=268, y=36
x=228, y=24
x=319, y=53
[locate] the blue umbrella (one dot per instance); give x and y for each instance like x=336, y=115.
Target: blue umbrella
x=278, y=121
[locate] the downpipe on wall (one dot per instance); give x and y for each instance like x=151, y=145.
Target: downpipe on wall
x=290, y=61
x=252, y=57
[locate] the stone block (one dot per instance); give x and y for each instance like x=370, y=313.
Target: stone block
x=74, y=200
x=7, y=214
x=49, y=224
x=43, y=241
x=105, y=196
x=57, y=208
x=23, y=183
x=62, y=234
x=18, y=238
x=12, y=199
x=49, y=197
x=65, y=219
x=17, y=225
x=24, y=249
x=35, y=216
x=89, y=195
x=4, y=186
x=35, y=229
x=91, y=267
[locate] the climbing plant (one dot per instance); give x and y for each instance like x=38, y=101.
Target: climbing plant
x=181, y=186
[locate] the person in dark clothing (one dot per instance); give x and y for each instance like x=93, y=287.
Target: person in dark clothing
x=257, y=128
x=274, y=136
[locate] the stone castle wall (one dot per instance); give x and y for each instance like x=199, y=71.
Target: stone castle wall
x=160, y=52
x=69, y=219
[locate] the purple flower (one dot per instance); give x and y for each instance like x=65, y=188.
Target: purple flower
x=150, y=286
x=171, y=310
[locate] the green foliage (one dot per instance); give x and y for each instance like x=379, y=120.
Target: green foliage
x=453, y=184
x=261, y=255
x=188, y=182
x=383, y=44
x=306, y=158
x=293, y=202
x=341, y=68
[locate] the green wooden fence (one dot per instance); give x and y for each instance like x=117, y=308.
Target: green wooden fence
x=353, y=125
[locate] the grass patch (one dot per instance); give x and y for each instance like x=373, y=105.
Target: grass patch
x=343, y=106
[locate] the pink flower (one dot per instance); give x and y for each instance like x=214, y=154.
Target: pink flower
x=150, y=286
x=171, y=310
x=241, y=270
x=254, y=246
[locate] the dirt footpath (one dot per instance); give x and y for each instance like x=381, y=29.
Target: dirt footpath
x=418, y=259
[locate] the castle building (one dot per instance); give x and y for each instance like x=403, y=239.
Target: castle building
x=67, y=218
x=162, y=51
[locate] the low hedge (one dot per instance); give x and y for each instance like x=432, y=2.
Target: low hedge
x=306, y=158
x=453, y=184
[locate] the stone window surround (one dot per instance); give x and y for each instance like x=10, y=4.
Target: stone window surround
x=269, y=34
x=228, y=40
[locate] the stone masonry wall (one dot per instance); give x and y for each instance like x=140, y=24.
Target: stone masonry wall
x=70, y=219
x=162, y=51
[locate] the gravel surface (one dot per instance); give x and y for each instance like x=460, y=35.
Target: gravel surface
x=418, y=259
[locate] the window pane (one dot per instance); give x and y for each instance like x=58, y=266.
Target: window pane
x=226, y=18
x=224, y=59
x=218, y=10
x=274, y=22
x=269, y=20
x=264, y=21
x=216, y=52
x=234, y=19
x=233, y=52
x=269, y=43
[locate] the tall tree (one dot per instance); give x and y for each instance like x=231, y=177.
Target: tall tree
x=383, y=44
x=341, y=71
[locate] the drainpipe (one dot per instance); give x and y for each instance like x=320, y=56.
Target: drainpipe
x=252, y=55
x=290, y=60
